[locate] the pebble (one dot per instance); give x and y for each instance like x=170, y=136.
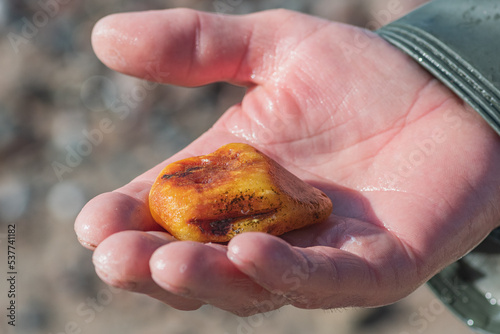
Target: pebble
x=3, y=13
x=65, y=200
x=14, y=198
x=67, y=129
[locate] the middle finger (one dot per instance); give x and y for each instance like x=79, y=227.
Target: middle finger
x=204, y=272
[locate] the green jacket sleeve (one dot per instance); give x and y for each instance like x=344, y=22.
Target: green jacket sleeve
x=458, y=41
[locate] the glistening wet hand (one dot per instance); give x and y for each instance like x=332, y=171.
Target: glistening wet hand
x=390, y=145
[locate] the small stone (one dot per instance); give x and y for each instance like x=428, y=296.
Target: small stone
x=65, y=200
x=14, y=197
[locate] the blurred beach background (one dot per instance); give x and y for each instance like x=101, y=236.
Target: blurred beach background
x=56, y=99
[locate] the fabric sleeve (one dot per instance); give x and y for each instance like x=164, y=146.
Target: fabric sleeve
x=459, y=42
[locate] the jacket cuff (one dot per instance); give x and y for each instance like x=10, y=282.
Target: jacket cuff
x=458, y=42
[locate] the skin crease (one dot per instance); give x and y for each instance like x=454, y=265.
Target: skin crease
x=411, y=170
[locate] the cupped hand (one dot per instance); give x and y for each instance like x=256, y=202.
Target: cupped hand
x=411, y=170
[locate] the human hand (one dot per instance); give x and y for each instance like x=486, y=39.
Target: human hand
x=411, y=170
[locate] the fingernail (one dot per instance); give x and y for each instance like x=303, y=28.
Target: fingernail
x=177, y=290
x=180, y=291
x=163, y=236
x=114, y=282
x=87, y=244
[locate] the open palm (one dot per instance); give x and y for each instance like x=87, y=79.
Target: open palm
x=411, y=170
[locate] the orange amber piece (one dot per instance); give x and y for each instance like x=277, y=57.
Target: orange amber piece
x=235, y=189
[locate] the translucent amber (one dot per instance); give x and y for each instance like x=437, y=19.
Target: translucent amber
x=235, y=189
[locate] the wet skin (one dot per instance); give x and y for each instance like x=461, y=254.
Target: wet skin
x=412, y=171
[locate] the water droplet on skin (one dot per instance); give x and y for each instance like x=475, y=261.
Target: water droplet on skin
x=349, y=240
x=160, y=264
x=241, y=133
x=102, y=259
x=235, y=249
